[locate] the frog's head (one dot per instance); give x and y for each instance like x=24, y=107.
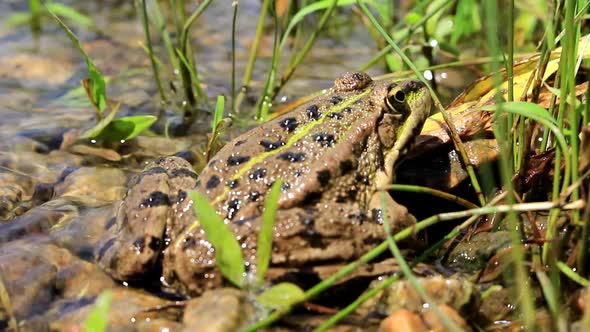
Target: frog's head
x=407, y=105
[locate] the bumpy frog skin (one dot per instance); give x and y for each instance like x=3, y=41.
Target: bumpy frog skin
x=332, y=153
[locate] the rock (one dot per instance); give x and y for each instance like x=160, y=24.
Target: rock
x=220, y=310
x=402, y=320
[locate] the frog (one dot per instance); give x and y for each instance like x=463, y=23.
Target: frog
x=334, y=155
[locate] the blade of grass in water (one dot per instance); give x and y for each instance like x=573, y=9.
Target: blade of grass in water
x=265, y=235
x=235, y=5
x=97, y=85
x=35, y=9
x=98, y=318
x=228, y=253
x=71, y=14
x=148, y=39
x=253, y=52
x=218, y=115
x=161, y=27
x=188, y=71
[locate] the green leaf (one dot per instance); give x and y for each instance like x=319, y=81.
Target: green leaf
x=281, y=295
x=127, y=127
x=266, y=231
x=101, y=125
x=15, y=19
x=228, y=252
x=70, y=13
x=97, y=85
x=98, y=318
x=413, y=18
x=218, y=115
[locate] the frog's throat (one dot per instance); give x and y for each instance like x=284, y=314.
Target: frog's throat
x=297, y=135
x=420, y=105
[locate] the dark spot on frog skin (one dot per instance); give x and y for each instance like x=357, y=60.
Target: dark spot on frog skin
x=359, y=216
x=188, y=243
x=253, y=196
x=238, y=143
x=352, y=193
x=258, y=174
x=371, y=240
x=269, y=146
x=212, y=163
x=152, y=171
x=297, y=173
x=335, y=100
x=183, y=172
x=312, y=197
x=182, y=195
x=236, y=160
x=187, y=155
x=324, y=177
x=232, y=208
x=139, y=244
x=285, y=186
x=362, y=179
x=156, y=198
x=152, y=242
x=107, y=245
x=336, y=115
x=324, y=139
x=347, y=110
x=345, y=166
x=289, y=124
x=233, y=184
x=110, y=223
x=294, y=157
x=213, y=182
x=313, y=112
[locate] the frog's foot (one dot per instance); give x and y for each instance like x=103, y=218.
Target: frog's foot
x=189, y=265
x=383, y=208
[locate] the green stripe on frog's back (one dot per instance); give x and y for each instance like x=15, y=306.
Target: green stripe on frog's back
x=300, y=133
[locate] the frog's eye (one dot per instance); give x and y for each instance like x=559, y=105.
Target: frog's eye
x=399, y=96
x=395, y=101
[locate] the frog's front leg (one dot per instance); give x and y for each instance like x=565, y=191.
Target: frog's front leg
x=136, y=238
x=384, y=208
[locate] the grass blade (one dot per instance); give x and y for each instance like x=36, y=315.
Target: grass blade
x=69, y=13
x=98, y=318
x=97, y=85
x=228, y=252
x=266, y=231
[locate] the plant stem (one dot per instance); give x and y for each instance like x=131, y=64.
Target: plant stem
x=253, y=52
x=146, y=29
